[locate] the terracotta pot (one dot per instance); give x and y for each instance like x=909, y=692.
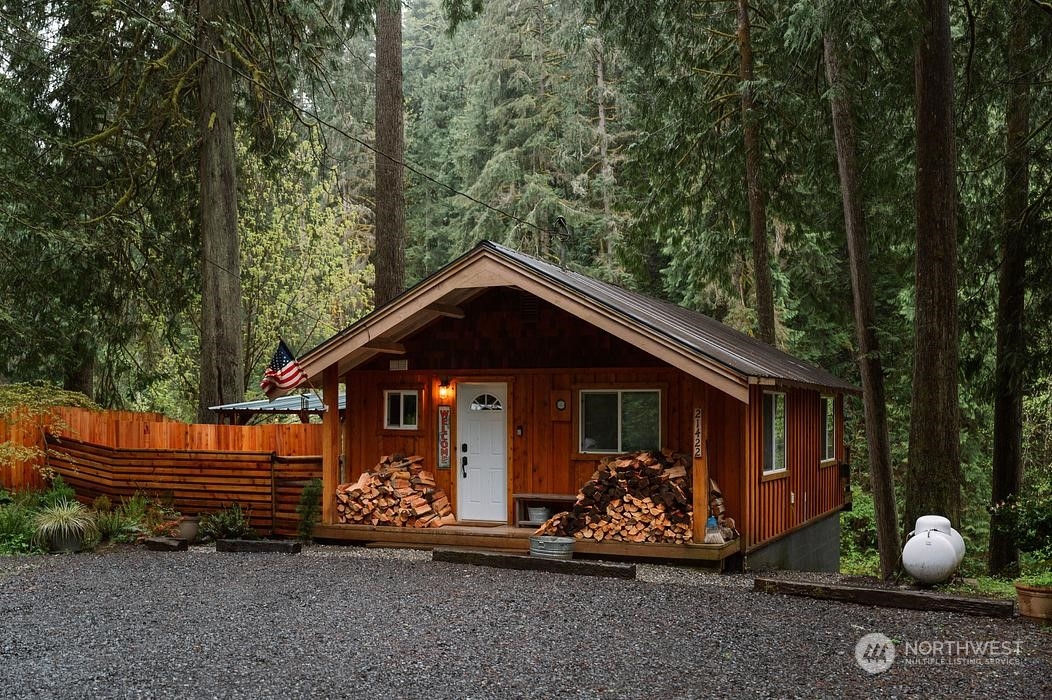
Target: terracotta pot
x=1034, y=601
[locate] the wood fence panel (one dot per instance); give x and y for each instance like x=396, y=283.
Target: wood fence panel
x=203, y=467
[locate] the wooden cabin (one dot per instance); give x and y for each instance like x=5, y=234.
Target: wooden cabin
x=514, y=377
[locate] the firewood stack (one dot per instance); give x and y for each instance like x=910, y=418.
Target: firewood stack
x=638, y=497
x=399, y=492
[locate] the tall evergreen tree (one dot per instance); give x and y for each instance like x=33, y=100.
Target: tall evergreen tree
x=1016, y=231
x=389, y=261
x=881, y=476
x=933, y=475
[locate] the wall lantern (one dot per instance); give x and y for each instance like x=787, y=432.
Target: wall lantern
x=444, y=389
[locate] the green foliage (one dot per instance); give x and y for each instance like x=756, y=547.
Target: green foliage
x=139, y=516
x=1028, y=521
x=17, y=529
x=309, y=509
x=229, y=523
x=980, y=586
x=1041, y=580
x=118, y=527
x=58, y=492
x=102, y=504
x=858, y=530
x=62, y=520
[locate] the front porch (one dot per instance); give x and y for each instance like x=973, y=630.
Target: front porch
x=517, y=539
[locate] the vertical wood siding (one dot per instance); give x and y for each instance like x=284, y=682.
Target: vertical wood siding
x=808, y=489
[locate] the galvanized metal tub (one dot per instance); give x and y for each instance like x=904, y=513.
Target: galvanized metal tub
x=551, y=547
x=538, y=515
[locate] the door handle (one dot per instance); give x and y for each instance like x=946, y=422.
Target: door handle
x=464, y=466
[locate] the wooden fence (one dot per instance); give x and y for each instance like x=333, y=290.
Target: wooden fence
x=201, y=468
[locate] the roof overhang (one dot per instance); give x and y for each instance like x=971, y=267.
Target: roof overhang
x=483, y=268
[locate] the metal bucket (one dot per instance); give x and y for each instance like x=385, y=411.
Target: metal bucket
x=538, y=515
x=551, y=547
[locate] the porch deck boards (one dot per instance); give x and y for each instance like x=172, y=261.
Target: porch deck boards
x=509, y=538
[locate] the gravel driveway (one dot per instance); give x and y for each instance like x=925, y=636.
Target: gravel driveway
x=355, y=622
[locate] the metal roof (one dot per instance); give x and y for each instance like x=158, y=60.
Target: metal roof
x=293, y=403
x=690, y=329
x=696, y=337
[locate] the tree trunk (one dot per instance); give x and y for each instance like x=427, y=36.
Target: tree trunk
x=1011, y=341
x=933, y=475
x=606, y=172
x=222, y=374
x=881, y=477
x=389, y=257
x=762, y=282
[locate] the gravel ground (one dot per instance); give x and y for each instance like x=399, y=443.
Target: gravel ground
x=363, y=623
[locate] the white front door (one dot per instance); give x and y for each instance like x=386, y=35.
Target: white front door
x=482, y=439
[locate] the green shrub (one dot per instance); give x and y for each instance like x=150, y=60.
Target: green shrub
x=58, y=492
x=102, y=504
x=1029, y=521
x=61, y=520
x=230, y=523
x=16, y=530
x=858, y=528
x=115, y=526
x=309, y=509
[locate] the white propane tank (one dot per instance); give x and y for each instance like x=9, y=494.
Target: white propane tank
x=958, y=545
x=929, y=557
x=932, y=522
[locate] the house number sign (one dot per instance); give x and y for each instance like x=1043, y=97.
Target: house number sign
x=698, y=437
x=444, y=438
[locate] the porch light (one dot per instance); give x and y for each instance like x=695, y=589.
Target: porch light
x=444, y=389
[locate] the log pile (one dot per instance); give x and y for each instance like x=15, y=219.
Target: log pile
x=398, y=492
x=638, y=497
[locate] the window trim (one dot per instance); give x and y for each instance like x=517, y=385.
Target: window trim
x=402, y=428
x=774, y=472
x=649, y=388
x=822, y=458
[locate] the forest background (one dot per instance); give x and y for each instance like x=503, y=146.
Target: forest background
x=623, y=140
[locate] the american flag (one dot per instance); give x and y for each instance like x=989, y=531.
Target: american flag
x=282, y=374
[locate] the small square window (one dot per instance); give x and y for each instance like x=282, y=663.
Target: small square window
x=615, y=421
x=401, y=409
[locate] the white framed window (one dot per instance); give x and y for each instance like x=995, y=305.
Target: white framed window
x=402, y=409
x=828, y=429
x=774, y=456
x=619, y=420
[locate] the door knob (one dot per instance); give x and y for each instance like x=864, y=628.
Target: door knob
x=464, y=466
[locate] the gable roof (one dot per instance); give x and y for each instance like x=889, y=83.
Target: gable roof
x=699, y=345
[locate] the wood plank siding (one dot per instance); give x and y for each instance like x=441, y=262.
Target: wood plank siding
x=545, y=354
x=808, y=489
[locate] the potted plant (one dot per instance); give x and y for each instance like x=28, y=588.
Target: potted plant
x=63, y=526
x=1029, y=521
x=189, y=528
x=1035, y=595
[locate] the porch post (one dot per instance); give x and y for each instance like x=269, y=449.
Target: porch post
x=700, y=471
x=330, y=442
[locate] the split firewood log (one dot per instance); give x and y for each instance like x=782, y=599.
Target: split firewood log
x=637, y=497
x=399, y=492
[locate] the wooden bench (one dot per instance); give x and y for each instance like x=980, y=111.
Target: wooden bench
x=556, y=501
